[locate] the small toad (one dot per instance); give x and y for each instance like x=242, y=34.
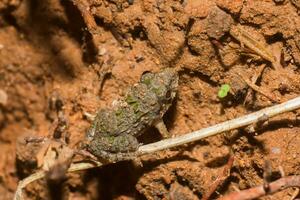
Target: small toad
x=112, y=135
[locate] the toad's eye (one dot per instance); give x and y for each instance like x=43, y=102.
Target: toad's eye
x=147, y=77
x=146, y=72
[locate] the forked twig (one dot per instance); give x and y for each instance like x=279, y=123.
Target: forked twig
x=23, y=183
x=259, y=191
x=255, y=117
x=254, y=79
x=260, y=90
x=41, y=174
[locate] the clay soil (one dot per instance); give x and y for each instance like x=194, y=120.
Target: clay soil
x=60, y=60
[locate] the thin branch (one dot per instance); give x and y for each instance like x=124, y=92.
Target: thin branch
x=180, y=140
x=259, y=191
x=252, y=118
x=23, y=183
x=41, y=174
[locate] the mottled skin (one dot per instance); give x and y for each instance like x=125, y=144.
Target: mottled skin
x=112, y=135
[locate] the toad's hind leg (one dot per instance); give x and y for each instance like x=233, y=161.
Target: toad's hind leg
x=114, y=148
x=124, y=143
x=115, y=157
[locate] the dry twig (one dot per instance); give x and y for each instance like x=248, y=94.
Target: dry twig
x=252, y=118
x=259, y=48
x=254, y=79
x=103, y=66
x=295, y=194
x=246, y=39
x=83, y=7
x=220, y=179
x=263, y=92
x=41, y=174
x=180, y=140
x=259, y=191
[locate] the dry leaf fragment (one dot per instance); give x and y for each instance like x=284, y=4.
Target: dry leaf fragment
x=246, y=39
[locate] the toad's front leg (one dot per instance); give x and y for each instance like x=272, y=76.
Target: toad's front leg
x=161, y=127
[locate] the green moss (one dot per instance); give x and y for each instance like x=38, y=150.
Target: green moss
x=223, y=91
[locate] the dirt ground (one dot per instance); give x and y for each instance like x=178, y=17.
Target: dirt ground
x=62, y=59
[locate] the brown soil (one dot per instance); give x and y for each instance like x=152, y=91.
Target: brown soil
x=54, y=54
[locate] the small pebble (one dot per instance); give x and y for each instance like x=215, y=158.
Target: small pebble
x=275, y=150
x=139, y=58
x=130, y=2
x=279, y=1
x=3, y=97
x=102, y=51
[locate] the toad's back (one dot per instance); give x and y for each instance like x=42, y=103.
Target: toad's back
x=144, y=104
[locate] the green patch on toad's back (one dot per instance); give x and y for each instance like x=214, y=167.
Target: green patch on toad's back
x=133, y=102
x=147, y=81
